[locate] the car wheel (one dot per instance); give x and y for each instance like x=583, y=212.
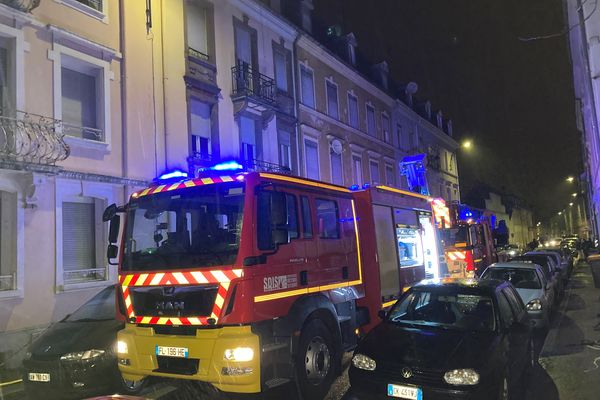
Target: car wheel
x=315, y=361
x=133, y=387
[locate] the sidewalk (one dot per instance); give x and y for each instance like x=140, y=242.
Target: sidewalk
x=570, y=357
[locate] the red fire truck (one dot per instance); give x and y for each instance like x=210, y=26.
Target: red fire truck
x=249, y=280
x=468, y=240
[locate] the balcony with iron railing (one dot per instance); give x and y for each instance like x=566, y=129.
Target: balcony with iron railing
x=22, y=5
x=31, y=138
x=248, y=83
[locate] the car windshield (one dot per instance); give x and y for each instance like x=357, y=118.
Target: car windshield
x=521, y=278
x=101, y=307
x=540, y=260
x=446, y=309
x=193, y=227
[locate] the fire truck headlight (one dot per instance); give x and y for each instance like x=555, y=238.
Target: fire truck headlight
x=239, y=354
x=122, y=347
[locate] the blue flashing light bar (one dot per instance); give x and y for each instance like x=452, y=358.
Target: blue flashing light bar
x=227, y=166
x=172, y=175
x=354, y=187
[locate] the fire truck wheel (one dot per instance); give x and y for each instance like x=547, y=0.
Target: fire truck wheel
x=315, y=363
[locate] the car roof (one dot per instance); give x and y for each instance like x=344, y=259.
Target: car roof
x=514, y=264
x=487, y=286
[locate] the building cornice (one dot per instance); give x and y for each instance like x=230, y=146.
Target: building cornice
x=265, y=16
x=63, y=36
x=325, y=55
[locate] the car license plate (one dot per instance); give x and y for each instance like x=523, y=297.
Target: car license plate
x=181, y=352
x=39, y=377
x=404, y=392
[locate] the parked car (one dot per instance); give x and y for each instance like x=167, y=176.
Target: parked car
x=76, y=357
x=550, y=269
x=566, y=260
x=531, y=284
x=446, y=339
x=561, y=264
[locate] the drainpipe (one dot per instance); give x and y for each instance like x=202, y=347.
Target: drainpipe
x=296, y=100
x=123, y=91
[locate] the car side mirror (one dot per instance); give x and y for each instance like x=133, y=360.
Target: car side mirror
x=382, y=314
x=111, y=253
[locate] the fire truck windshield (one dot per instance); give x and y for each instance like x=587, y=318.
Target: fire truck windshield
x=451, y=236
x=186, y=228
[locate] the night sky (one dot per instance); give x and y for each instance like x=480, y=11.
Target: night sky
x=514, y=98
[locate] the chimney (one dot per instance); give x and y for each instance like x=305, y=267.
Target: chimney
x=381, y=72
x=306, y=7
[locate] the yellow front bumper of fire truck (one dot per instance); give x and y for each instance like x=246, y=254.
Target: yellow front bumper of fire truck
x=226, y=357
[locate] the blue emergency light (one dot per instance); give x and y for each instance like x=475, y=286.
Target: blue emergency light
x=172, y=175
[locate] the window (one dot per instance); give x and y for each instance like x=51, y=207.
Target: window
x=505, y=310
x=280, y=58
x=357, y=169
x=352, y=111
x=411, y=141
x=332, y=99
x=196, y=28
x=308, y=89
x=249, y=150
x=79, y=103
x=292, y=216
x=399, y=136
x=389, y=175
x=374, y=169
x=6, y=103
x=95, y=4
x=306, y=218
x=371, y=126
x=311, y=149
x=81, y=228
x=327, y=219
x=385, y=126
x=285, y=148
x=244, y=44
x=337, y=171
x=8, y=241
x=200, y=128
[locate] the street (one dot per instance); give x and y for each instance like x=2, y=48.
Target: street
x=568, y=357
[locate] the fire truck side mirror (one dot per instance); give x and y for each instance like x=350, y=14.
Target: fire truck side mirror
x=113, y=232
x=110, y=212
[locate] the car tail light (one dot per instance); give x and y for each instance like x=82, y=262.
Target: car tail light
x=469, y=260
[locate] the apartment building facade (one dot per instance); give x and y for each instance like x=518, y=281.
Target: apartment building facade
x=61, y=159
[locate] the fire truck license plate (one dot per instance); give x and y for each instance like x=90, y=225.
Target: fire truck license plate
x=181, y=352
x=404, y=392
x=39, y=377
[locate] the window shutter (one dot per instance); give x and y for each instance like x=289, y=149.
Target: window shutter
x=243, y=42
x=332, y=100
x=280, y=70
x=79, y=236
x=196, y=27
x=312, y=159
x=308, y=95
x=336, y=169
x=78, y=98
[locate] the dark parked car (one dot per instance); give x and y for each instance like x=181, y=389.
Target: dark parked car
x=76, y=357
x=446, y=339
x=551, y=270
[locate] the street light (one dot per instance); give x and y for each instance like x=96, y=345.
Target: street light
x=571, y=204
x=560, y=213
x=570, y=179
x=574, y=194
x=467, y=144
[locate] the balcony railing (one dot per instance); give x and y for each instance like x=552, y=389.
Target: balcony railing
x=264, y=166
x=31, y=138
x=83, y=132
x=249, y=82
x=8, y=282
x=22, y=5
x=197, y=54
x=84, y=275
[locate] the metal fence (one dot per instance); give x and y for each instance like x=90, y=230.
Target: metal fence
x=8, y=282
x=84, y=275
x=249, y=82
x=31, y=138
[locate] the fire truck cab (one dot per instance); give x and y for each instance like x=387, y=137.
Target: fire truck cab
x=249, y=280
x=468, y=241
